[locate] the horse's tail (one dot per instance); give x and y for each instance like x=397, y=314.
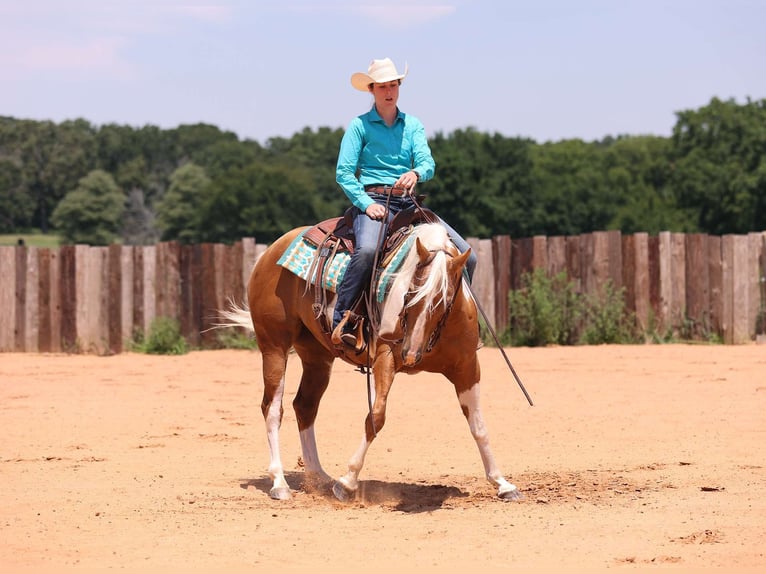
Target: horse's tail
x=235, y=316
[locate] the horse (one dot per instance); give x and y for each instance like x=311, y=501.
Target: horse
x=427, y=322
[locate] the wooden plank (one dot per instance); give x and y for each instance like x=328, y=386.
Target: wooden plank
x=501, y=261
x=727, y=288
x=698, y=283
x=483, y=284
x=219, y=259
x=715, y=279
x=198, y=261
x=248, y=261
x=44, y=300
x=20, y=298
x=168, y=279
x=126, y=288
x=761, y=317
x=92, y=315
x=629, y=273
x=741, y=278
x=540, y=252
x=574, y=262
x=186, y=290
x=521, y=260
x=678, y=279
x=655, y=298
x=8, y=298
x=557, y=255
x=588, y=263
x=150, y=285
x=83, y=303
x=641, y=280
x=753, y=273
x=68, y=290
x=614, y=258
x=138, y=290
x=665, y=319
x=55, y=300
x=32, y=302
x=114, y=298
x=232, y=288
x=208, y=295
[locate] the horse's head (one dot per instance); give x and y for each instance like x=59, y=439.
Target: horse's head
x=435, y=271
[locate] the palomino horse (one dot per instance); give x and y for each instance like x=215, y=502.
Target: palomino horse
x=428, y=322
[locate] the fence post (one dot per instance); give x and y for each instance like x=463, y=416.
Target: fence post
x=8, y=298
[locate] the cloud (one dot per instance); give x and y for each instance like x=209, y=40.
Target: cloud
x=60, y=55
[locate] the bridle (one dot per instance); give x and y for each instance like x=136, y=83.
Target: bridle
x=436, y=331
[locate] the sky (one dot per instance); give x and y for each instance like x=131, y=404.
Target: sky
x=542, y=69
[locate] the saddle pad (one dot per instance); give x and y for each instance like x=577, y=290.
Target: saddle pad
x=299, y=256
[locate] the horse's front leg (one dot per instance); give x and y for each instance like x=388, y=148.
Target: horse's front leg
x=470, y=404
x=346, y=486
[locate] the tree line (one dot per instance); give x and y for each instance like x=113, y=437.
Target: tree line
x=197, y=183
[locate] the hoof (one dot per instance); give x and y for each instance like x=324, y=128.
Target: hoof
x=342, y=493
x=513, y=495
x=280, y=493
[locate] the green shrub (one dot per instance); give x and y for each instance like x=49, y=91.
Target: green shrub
x=235, y=338
x=164, y=339
x=550, y=311
x=545, y=311
x=606, y=319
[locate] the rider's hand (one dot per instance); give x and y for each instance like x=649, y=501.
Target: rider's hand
x=407, y=180
x=375, y=211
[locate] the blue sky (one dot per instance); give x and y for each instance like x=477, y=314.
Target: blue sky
x=543, y=69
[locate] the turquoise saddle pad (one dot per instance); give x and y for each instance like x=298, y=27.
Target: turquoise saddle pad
x=298, y=257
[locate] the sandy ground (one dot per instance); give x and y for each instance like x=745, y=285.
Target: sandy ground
x=631, y=456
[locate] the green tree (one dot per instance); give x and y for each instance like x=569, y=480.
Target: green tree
x=179, y=210
x=92, y=212
x=638, y=175
x=262, y=201
x=719, y=153
x=482, y=182
x=570, y=191
x=16, y=206
x=54, y=158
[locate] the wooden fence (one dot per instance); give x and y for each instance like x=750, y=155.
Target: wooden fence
x=93, y=299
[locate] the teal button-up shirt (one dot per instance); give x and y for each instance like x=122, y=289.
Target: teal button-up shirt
x=372, y=152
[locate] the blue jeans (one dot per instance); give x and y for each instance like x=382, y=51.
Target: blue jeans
x=367, y=233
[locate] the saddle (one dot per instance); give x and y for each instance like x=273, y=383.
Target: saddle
x=336, y=235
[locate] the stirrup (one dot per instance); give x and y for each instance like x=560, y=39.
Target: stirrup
x=347, y=335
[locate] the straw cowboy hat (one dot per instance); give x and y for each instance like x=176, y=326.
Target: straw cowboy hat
x=380, y=71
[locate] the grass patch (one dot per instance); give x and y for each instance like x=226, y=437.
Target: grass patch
x=30, y=239
x=164, y=339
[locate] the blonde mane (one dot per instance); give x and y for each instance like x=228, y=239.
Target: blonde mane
x=433, y=236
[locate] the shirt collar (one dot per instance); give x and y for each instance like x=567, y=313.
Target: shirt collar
x=375, y=116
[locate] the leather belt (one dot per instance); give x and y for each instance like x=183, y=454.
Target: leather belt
x=386, y=189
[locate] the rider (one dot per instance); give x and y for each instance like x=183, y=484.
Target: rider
x=383, y=152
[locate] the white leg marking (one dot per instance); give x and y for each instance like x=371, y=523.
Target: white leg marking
x=280, y=489
x=469, y=400
x=351, y=479
x=311, y=455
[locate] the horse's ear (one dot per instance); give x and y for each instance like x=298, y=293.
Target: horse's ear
x=423, y=252
x=459, y=261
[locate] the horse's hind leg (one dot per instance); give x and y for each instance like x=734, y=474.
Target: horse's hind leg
x=317, y=366
x=469, y=403
x=274, y=366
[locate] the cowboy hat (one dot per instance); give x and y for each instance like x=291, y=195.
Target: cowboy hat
x=380, y=71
